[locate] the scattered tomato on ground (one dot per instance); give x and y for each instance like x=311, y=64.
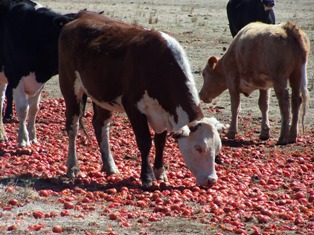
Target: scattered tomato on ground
x=262, y=188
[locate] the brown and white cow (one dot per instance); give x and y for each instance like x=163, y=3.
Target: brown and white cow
x=262, y=56
x=144, y=73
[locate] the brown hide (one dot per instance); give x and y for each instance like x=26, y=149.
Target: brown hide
x=125, y=68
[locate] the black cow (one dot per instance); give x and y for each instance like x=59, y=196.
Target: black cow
x=9, y=93
x=243, y=12
x=28, y=58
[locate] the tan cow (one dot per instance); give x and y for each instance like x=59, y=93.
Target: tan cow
x=262, y=56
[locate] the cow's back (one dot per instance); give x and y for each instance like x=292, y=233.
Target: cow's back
x=255, y=50
x=126, y=61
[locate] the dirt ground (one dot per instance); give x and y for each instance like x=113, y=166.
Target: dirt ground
x=201, y=26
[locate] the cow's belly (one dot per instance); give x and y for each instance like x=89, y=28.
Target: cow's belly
x=114, y=105
x=249, y=84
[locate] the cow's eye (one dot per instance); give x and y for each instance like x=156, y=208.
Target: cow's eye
x=198, y=148
x=194, y=128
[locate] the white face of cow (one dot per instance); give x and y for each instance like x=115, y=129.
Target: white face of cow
x=199, y=146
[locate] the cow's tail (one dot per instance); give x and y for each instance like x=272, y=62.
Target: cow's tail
x=305, y=94
x=82, y=111
x=303, y=48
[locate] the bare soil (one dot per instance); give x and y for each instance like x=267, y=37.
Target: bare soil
x=201, y=26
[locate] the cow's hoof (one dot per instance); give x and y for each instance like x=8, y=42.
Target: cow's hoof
x=282, y=142
x=24, y=143
x=160, y=174
x=292, y=140
x=231, y=135
x=73, y=172
x=264, y=136
x=34, y=141
x=292, y=137
x=147, y=181
x=147, y=184
x=110, y=170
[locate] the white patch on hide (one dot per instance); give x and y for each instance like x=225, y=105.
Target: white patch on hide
x=180, y=56
x=158, y=118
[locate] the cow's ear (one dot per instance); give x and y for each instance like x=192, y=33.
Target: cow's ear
x=221, y=127
x=183, y=132
x=212, y=61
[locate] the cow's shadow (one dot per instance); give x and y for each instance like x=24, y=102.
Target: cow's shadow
x=243, y=143
x=58, y=184
x=237, y=143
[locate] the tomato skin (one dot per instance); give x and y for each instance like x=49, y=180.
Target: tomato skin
x=57, y=229
x=38, y=215
x=12, y=227
x=13, y=202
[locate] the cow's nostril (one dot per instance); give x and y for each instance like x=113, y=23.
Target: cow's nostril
x=211, y=181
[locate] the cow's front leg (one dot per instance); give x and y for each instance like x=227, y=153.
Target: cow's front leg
x=22, y=107
x=144, y=142
x=159, y=168
x=33, y=110
x=235, y=108
x=3, y=86
x=284, y=105
x=263, y=103
x=101, y=123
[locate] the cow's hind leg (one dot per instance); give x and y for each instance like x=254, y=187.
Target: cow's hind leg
x=296, y=102
x=282, y=94
x=33, y=110
x=263, y=103
x=72, y=114
x=159, y=168
x=2, y=95
x=101, y=123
